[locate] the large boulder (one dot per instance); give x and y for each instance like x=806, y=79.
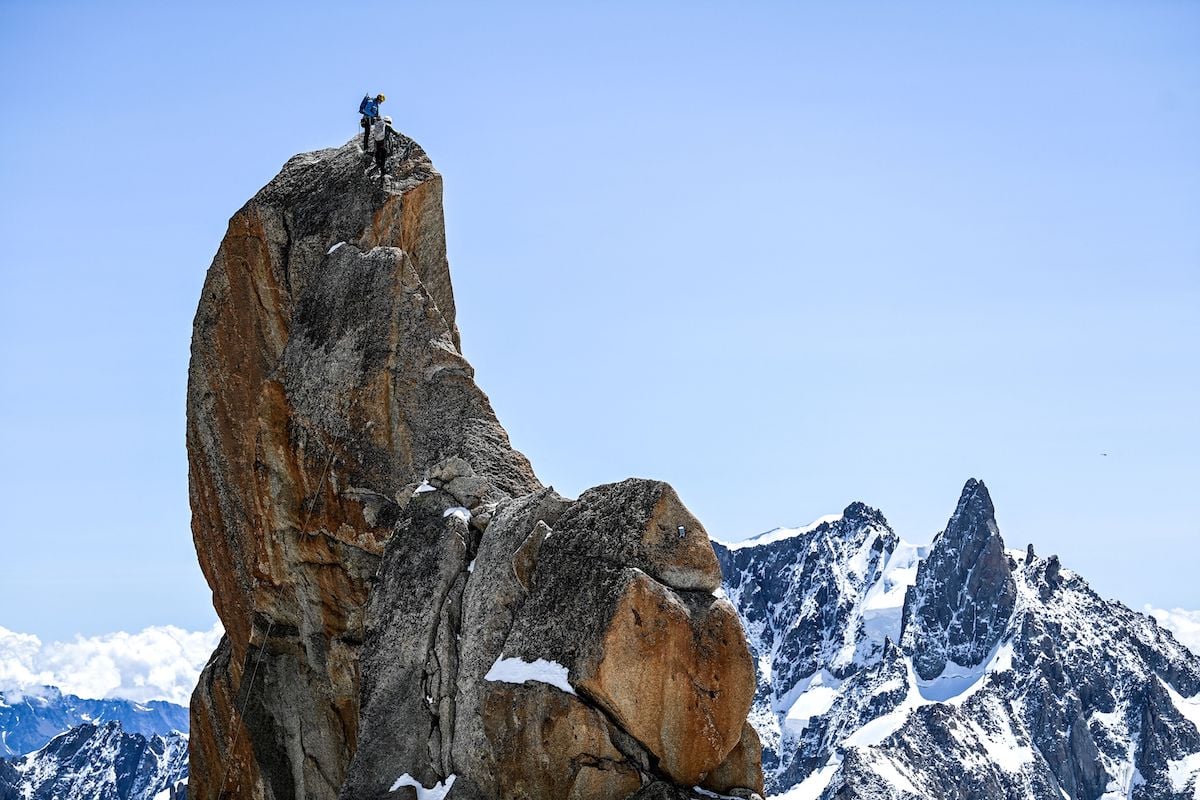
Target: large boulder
x=558, y=667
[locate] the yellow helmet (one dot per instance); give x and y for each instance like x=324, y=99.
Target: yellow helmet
x=380, y=98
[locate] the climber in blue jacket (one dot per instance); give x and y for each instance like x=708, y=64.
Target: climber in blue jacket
x=369, y=108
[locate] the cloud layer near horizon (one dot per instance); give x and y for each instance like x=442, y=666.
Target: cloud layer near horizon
x=164, y=662
x=1185, y=625
x=158, y=663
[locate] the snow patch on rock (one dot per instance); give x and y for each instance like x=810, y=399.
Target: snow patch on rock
x=518, y=670
x=437, y=792
x=458, y=512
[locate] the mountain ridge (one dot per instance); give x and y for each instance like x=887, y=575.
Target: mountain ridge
x=28, y=723
x=100, y=762
x=1038, y=713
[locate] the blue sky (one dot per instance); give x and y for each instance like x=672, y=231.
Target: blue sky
x=783, y=255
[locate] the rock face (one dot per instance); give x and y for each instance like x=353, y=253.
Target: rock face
x=405, y=605
x=325, y=381
x=560, y=666
x=1034, y=688
x=964, y=593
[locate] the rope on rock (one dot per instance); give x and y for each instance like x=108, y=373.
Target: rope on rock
x=241, y=714
x=242, y=711
x=320, y=486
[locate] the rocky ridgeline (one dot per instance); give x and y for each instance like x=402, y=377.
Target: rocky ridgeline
x=409, y=613
x=961, y=669
x=32, y=717
x=100, y=762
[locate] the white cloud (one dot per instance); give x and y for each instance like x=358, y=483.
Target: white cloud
x=1185, y=625
x=158, y=663
x=18, y=652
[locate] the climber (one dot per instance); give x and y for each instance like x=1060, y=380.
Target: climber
x=382, y=136
x=369, y=108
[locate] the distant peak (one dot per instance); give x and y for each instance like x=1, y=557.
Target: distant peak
x=964, y=593
x=780, y=534
x=975, y=497
x=857, y=515
x=863, y=514
x=974, y=517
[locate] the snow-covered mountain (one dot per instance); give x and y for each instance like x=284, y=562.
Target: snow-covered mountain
x=957, y=670
x=99, y=763
x=61, y=746
x=31, y=718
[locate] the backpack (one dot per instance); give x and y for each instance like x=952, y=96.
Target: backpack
x=366, y=101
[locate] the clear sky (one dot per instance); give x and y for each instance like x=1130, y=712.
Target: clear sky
x=783, y=255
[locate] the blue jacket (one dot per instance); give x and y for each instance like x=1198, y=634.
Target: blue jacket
x=369, y=108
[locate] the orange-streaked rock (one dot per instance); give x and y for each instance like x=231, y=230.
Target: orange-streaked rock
x=546, y=743
x=325, y=379
x=741, y=769
x=677, y=675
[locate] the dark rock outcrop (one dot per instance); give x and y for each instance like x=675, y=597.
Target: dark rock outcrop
x=10, y=782
x=964, y=593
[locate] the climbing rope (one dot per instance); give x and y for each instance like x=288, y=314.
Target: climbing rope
x=242, y=711
x=262, y=647
x=320, y=486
